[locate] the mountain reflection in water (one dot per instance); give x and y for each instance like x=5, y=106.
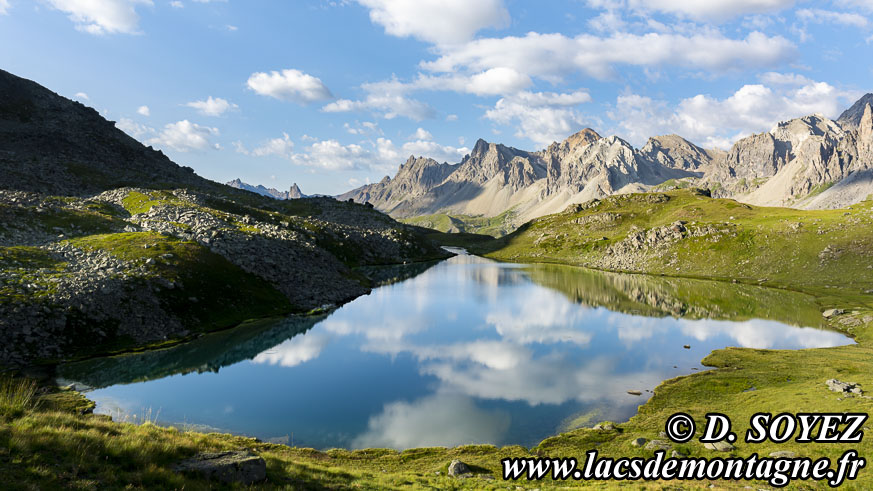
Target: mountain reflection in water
x=469, y=351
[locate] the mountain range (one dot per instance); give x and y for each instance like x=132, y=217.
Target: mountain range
x=810, y=162
x=292, y=193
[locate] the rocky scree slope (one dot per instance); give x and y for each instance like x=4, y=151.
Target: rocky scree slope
x=87, y=267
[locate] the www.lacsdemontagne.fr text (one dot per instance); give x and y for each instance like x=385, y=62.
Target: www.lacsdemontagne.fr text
x=778, y=472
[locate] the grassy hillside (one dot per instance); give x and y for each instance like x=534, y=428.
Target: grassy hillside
x=685, y=233
x=496, y=226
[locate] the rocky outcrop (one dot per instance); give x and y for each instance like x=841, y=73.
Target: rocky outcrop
x=231, y=467
x=851, y=117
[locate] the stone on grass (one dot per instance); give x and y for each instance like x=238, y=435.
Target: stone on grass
x=721, y=446
x=658, y=445
x=227, y=467
x=827, y=314
x=783, y=454
x=458, y=468
x=638, y=442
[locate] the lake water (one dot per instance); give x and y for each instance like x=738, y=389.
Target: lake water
x=468, y=351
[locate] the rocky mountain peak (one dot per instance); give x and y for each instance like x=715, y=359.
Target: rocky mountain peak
x=583, y=137
x=851, y=117
x=294, y=192
x=676, y=152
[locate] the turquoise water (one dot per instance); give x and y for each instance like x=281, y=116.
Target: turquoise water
x=469, y=351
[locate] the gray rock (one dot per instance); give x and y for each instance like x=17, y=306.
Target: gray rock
x=227, y=467
x=830, y=313
x=783, y=454
x=843, y=387
x=658, y=445
x=638, y=442
x=634, y=392
x=719, y=446
x=458, y=468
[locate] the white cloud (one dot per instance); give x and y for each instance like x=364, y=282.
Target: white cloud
x=712, y=9
x=380, y=154
x=212, y=106
x=362, y=128
x=866, y=5
x=184, y=136
x=4, y=7
x=819, y=16
x=542, y=117
x=81, y=95
x=390, y=98
x=280, y=147
x=551, y=56
x=176, y=4
x=715, y=122
x=289, y=85
x=452, y=117
x=387, y=99
x=102, y=16
x=143, y=111
x=421, y=134
x=437, y=21
x=134, y=129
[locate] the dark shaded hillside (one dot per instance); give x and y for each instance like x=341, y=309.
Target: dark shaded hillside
x=52, y=145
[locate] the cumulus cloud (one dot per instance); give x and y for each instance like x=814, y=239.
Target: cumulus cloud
x=81, y=95
x=713, y=122
x=388, y=99
x=437, y=21
x=421, y=134
x=134, y=129
x=865, y=5
x=143, y=111
x=279, y=147
x=819, y=16
x=212, y=106
x=185, y=136
x=551, y=56
x=102, y=16
x=289, y=85
x=542, y=117
x=4, y=7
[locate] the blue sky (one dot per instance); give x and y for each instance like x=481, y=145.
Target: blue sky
x=334, y=94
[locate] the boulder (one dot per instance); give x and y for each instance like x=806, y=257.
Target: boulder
x=458, y=468
x=638, y=442
x=830, y=313
x=228, y=467
x=658, y=445
x=719, y=446
x=783, y=454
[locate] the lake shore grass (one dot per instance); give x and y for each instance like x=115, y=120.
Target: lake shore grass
x=53, y=441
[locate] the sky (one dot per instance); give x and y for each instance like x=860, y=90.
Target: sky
x=335, y=94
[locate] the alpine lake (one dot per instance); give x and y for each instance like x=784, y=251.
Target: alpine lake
x=466, y=350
